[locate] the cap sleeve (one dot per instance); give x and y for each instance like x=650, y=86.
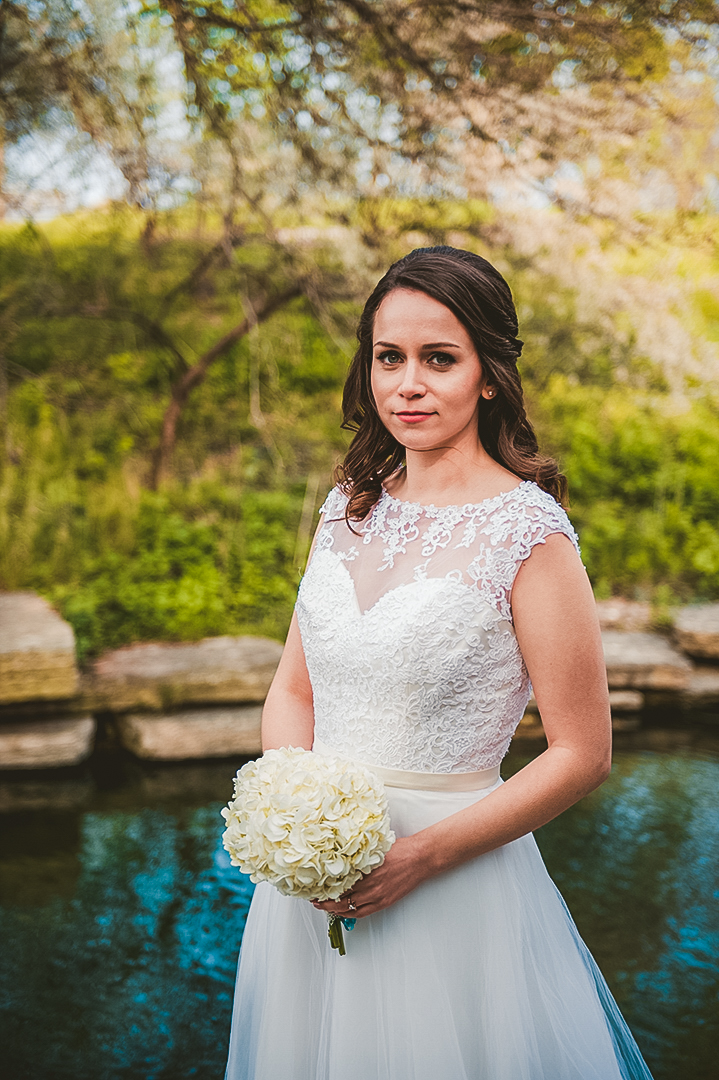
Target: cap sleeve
x=540, y=517
x=514, y=530
x=334, y=504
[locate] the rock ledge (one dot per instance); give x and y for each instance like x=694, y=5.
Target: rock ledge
x=41, y=744
x=157, y=677
x=642, y=661
x=696, y=629
x=37, y=651
x=194, y=733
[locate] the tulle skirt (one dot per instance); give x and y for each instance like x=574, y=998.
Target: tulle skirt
x=479, y=974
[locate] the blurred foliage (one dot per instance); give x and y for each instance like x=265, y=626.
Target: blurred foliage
x=256, y=103
x=197, y=563
x=219, y=547
x=643, y=485
x=422, y=79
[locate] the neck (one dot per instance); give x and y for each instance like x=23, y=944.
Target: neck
x=451, y=476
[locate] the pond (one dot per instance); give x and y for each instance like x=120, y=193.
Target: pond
x=121, y=918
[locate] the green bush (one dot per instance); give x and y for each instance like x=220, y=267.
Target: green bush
x=643, y=486
x=181, y=579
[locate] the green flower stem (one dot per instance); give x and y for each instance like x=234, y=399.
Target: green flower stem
x=335, y=934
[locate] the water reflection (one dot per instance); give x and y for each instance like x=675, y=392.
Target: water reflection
x=121, y=916
x=123, y=965
x=638, y=863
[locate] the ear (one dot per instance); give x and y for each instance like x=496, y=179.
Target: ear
x=488, y=393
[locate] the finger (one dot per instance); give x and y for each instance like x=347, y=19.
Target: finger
x=344, y=911
x=333, y=907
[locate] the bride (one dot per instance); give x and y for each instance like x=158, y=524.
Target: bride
x=444, y=576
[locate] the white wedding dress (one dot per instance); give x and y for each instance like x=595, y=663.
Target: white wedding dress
x=479, y=974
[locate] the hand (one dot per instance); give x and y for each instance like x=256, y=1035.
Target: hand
x=402, y=870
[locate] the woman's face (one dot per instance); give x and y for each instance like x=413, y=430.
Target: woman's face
x=427, y=378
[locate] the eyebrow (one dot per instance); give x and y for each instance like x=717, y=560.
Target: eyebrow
x=430, y=345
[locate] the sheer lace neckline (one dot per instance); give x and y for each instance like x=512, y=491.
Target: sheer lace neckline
x=480, y=544
x=467, y=507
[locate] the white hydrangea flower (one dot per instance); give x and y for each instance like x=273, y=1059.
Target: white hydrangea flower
x=310, y=825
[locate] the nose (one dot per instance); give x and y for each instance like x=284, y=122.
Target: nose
x=412, y=384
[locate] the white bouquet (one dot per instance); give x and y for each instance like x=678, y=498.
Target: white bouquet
x=309, y=824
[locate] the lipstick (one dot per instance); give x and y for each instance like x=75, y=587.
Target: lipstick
x=413, y=417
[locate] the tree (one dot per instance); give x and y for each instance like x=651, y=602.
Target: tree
x=60, y=64
x=409, y=91
x=99, y=69
x=410, y=80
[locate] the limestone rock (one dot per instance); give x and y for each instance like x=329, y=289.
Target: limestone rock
x=43, y=744
x=696, y=629
x=621, y=614
x=702, y=691
x=165, y=676
x=37, y=651
x=194, y=733
x=642, y=661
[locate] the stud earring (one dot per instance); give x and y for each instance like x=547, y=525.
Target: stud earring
x=490, y=393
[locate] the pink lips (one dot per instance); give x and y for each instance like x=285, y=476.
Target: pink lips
x=413, y=417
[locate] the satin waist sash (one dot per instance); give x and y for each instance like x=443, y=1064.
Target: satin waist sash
x=424, y=781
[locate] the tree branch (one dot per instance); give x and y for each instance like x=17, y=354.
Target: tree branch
x=198, y=271
x=198, y=372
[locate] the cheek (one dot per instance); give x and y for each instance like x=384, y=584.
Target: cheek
x=465, y=393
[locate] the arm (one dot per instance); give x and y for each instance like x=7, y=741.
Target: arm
x=558, y=633
x=288, y=716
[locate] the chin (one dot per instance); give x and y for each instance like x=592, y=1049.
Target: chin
x=413, y=441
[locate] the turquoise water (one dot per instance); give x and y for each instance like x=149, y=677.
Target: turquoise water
x=121, y=918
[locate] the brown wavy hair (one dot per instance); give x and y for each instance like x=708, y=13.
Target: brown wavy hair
x=478, y=295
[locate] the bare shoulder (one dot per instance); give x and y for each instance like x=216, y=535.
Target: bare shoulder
x=553, y=579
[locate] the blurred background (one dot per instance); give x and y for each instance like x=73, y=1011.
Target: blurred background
x=195, y=201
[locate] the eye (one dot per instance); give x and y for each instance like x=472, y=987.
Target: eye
x=442, y=359
x=390, y=358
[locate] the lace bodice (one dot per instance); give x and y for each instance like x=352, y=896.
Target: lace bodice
x=407, y=629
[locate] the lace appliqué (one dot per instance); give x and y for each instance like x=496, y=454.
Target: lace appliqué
x=502, y=531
